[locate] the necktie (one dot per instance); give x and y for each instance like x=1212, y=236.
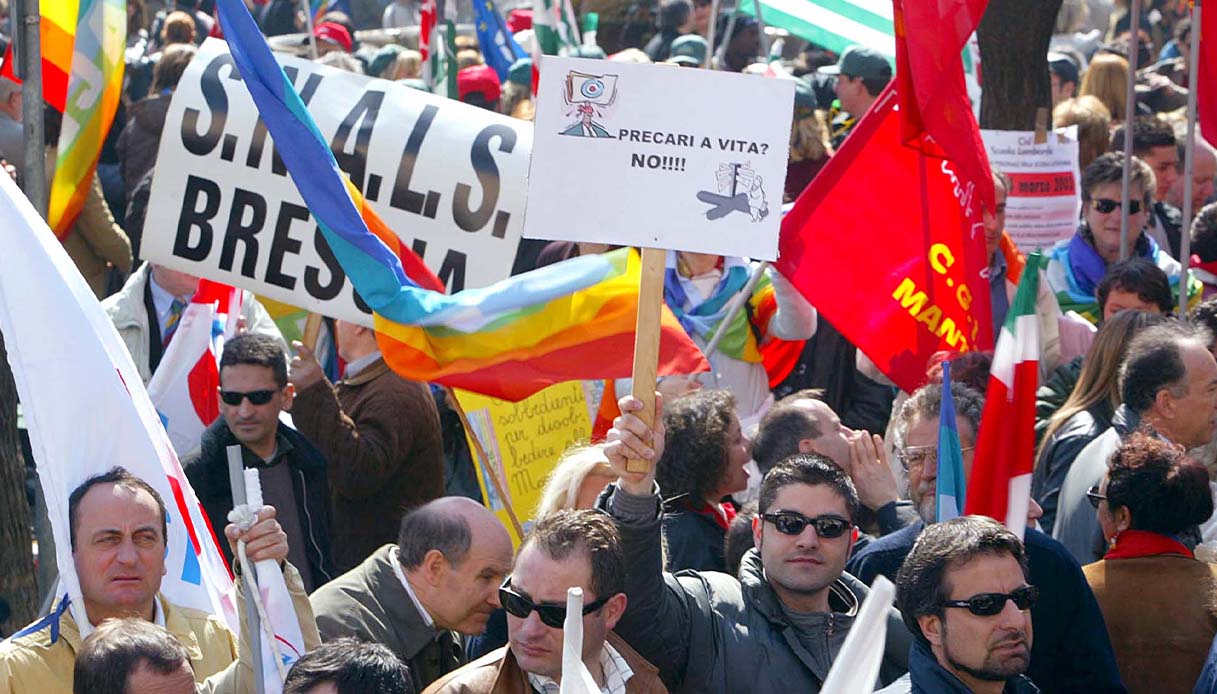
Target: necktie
x=171, y=321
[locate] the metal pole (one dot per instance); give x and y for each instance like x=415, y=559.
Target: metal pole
x=760, y=27
x=1189, y=158
x=308, y=23
x=28, y=53
x=710, y=35
x=1130, y=107
x=721, y=53
x=733, y=309
x=236, y=479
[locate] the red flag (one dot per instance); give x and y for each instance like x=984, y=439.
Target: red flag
x=887, y=243
x=1206, y=98
x=930, y=37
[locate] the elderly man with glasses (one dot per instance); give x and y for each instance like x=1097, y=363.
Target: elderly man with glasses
x=1072, y=651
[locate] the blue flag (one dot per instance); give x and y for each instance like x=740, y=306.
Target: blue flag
x=951, y=485
x=498, y=46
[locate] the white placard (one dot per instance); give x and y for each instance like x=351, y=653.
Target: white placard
x=659, y=156
x=447, y=177
x=1042, y=203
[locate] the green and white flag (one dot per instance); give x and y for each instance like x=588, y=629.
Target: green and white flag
x=834, y=24
x=555, y=28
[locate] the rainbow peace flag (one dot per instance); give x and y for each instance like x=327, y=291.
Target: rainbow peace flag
x=57, y=31
x=572, y=320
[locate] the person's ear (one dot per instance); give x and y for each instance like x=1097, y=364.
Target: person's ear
x=1122, y=518
x=434, y=567
x=932, y=627
x=613, y=609
x=807, y=445
x=758, y=524
x=289, y=395
x=1164, y=402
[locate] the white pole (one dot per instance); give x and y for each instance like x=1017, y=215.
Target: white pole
x=308, y=22
x=760, y=27
x=1130, y=108
x=1189, y=158
x=709, y=65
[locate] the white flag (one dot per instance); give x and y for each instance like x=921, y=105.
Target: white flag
x=575, y=677
x=87, y=410
x=856, y=668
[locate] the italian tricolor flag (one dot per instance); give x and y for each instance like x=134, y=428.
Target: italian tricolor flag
x=555, y=32
x=438, y=48
x=1000, y=483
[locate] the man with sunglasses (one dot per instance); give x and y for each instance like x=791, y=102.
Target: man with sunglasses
x=964, y=593
x=782, y=622
x=1153, y=141
x=567, y=549
x=253, y=393
x=1072, y=651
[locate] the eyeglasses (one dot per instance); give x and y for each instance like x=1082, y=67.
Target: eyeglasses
x=917, y=456
x=1107, y=205
x=1095, y=496
x=989, y=604
x=793, y=523
x=256, y=397
x=553, y=616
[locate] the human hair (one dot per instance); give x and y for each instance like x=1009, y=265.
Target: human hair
x=1140, y=276
x=875, y=85
x=694, y=459
x=408, y=64
x=1164, y=490
x=970, y=368
x=1071, y=17
x=352, y=667
x=1093, y=121
x=1182, y=32
x=1106, y=79
x=561, y=489
x=926, y=403
x=1205, y=315
x=429, y=527
x=1155, y=362
x=119, y=477
x=117, y=648
x=1098, y=384
x=739, y=539
x=342, y=60
x=779, y=433
x=137, y=211
x=922, y=586
x=1003, y=179
x=256, y=349
x=178, y=28
x=674, y=13
x=809, y=137
x=1109, y=168
x=811, y=469
x=137, y=16
x=512, y=96
x=630, y=55
x=468, y=58
x=169, y=69
x=466, y=43
x=1148, y=132
x=1204, y=233
x=591, y=532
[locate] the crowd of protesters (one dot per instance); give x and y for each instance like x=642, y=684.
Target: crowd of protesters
x=740, y=560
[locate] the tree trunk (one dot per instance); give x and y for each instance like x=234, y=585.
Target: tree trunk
x=17, y=578
x=1013, y=37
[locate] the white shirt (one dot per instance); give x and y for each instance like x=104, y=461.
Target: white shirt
x=162, y=301
x=616, y=673
x=395, y=560
x=361, y=363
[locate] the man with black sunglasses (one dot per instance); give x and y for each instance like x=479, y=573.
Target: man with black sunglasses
x=964, y=594
x=782, y=622
x=567, y=549
x=253, y=393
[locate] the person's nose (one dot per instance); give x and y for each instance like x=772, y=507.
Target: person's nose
x=1011, y=617
x=809, y=538
x=127, y=553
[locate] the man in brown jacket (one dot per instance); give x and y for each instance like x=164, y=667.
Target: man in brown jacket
x=381, y=434
x=567, y=549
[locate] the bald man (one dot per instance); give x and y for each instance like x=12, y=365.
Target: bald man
x=441, y=577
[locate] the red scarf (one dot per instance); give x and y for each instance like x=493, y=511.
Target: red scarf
x=706, y=509
x=1143, y=543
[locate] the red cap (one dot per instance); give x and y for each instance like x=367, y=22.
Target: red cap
x=480, y=79
x=519, y=20
x=334, y=33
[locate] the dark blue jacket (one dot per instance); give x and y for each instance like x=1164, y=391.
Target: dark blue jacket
x=926, y=676
x=1070, y=651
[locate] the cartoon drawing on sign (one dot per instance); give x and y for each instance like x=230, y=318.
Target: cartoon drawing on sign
x=587, y=92
x=739, y=190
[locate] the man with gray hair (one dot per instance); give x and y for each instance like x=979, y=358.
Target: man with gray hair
x=1168, y=383
x=12, y=133
x=441, y=577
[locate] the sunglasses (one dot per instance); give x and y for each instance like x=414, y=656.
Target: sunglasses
x=1107, y=206
x=793, y=523
x=256, y=397
x=989, y=604
x=553, y=616
x=1095, y=496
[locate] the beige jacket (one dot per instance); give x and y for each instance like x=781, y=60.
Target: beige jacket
x=96, y=241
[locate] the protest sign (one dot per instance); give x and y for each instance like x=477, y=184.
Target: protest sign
x=523, y=441
x=447, y=177
x=658, y=157
x=1042, y=203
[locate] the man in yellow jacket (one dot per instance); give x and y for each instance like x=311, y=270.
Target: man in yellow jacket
x=118, y=530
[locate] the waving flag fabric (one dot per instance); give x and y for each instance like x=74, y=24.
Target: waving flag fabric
x=951, y=485
x=1005, y=448
x=498, y=45
x=57, y=32
x=856, y=667
x=571, y=320
x=87, y=410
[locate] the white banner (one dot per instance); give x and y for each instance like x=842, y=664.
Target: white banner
x=648, y=155
x=449, y=178
x=1042, y=203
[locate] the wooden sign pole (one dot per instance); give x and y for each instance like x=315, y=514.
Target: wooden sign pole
x=646, y=340
x=312, y=327
x=500, y=485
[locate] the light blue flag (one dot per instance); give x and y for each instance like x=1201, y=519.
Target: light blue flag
x=951, y=485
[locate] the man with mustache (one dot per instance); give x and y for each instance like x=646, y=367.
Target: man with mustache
x=964, y=594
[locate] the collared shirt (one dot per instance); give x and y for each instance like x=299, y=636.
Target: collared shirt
x=353, y=368
x=395, y=560
x=999, y=301
x=162, y=301
x=616, y=673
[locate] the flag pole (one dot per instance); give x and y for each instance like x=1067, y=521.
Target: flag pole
x=733, y=309
x=721, y=54
x=714, y=7
x=760, y=25
x=1189, y=158
x=308, y=23
x=1130, y=107
x=236, y=481
x=500, y=485
x=28, y=56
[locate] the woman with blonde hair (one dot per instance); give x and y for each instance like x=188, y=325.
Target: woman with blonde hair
x=1094, y=126
x=407, y=65
x=580, y=475
x=1106, y=79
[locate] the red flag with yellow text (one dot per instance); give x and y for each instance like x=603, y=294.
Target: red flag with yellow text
x=887, y=243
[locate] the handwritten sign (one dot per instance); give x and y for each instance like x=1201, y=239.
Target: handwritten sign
x=1042, y=203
